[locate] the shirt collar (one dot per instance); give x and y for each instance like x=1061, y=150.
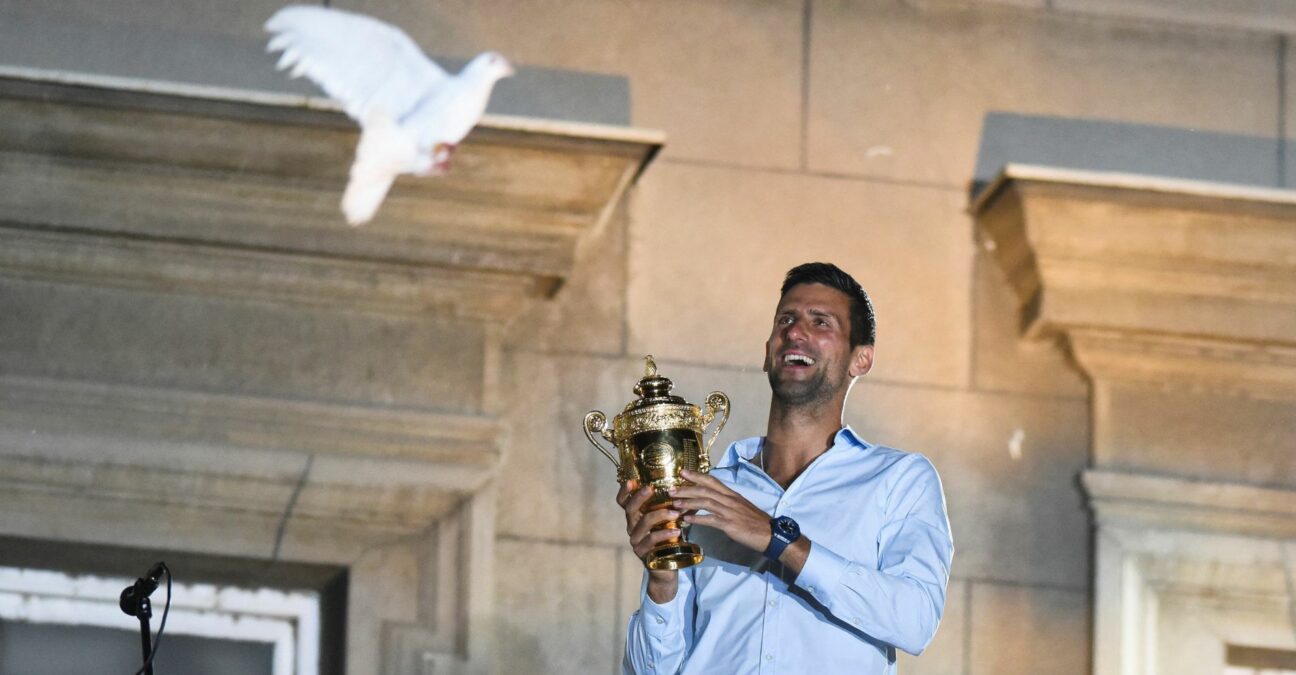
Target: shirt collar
x=748, y=447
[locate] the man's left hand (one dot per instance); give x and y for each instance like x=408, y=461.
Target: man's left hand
x=727, y=510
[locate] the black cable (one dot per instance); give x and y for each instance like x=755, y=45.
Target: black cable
x=157, y=641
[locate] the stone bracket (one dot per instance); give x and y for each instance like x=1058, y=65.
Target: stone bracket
x=1152, y=279
x=237, y=192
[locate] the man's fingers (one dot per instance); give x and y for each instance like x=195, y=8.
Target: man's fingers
x=650, y=520
x=705, y=480
x=626, y=492
x=645, y=545
x=705, y=519
x=638, y=498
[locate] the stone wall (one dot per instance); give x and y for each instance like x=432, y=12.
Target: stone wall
x=805, y=130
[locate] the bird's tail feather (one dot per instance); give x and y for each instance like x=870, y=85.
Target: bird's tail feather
x=383, y=153
x=364, y=194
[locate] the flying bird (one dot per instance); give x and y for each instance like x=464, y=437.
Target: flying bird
x=412, y=114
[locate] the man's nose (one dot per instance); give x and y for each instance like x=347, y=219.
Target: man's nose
x=795, y=331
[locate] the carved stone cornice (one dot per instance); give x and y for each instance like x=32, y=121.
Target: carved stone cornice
x=1140, y=502
x=159, y=189
x=325, y=468
x=1152, y=279
x=195, y=189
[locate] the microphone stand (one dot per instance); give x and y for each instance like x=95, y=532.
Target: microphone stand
x=135, y=602
x=145, y=613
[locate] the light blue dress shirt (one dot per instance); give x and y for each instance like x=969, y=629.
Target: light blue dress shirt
x=874, y=581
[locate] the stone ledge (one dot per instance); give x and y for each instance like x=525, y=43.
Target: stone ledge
x=1188, y=364
x=254, y=275
x=1152, y=279
x=1141, y=502
x=240, y=173
x=330, y=467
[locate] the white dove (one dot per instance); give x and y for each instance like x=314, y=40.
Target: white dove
x=412, y=113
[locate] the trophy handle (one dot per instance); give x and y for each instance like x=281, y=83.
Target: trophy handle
x=716, y=402
x=596, y=421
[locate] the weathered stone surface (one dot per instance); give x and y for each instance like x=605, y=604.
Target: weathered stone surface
x=546, y=585
x=86, y=517
x=218, y=345
x=1173, y=258
x=1002, y=358
x=1264, y=16
x=630, y=582
x=1199, y=564
x=1175, y=297
x=1010, y=467
x=554, y=485
x=694, y=68
x=921, y=79
x=380, y=592
x=709, y=248
x=1170, y=430
x=586, y=315
x=1025, y=630
x=1194, y=635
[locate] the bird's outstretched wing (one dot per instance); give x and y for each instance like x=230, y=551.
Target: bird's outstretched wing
x=361, y=62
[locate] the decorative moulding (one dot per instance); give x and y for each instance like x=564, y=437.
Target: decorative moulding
x=1151, y=279
x=294, y=464
x=1140, y=501
x=198, y=189
x=1168, y=547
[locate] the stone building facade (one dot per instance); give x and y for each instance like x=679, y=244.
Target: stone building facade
x=1074, y=219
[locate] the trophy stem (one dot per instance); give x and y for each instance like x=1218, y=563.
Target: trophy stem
x=674, y=553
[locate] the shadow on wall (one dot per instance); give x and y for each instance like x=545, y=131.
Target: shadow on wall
x=1151, y=150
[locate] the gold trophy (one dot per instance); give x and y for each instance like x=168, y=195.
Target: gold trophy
x=657, y=436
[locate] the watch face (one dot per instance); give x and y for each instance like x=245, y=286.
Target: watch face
x=787, y=528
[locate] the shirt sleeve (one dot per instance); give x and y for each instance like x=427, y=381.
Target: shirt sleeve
x=659, y=636
x=901, y=601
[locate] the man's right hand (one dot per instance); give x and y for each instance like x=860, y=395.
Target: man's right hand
x=662, y=584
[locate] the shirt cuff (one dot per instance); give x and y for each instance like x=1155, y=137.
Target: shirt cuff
x=657, y=619
x=822, y=572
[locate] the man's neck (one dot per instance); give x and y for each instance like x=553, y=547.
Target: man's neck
x=795, y=436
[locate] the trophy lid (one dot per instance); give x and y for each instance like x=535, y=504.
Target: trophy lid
x=653, y=389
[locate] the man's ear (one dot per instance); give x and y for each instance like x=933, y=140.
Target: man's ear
x=861, y=360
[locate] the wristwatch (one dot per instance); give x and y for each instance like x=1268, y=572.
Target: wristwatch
x=785, y=531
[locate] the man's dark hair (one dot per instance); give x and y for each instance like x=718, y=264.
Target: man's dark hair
x=863, y=325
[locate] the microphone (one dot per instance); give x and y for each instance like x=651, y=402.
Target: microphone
x=133, y=596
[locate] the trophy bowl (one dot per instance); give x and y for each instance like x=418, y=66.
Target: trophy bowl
x=656, y=437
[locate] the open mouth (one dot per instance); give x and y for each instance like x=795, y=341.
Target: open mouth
x=797, y=360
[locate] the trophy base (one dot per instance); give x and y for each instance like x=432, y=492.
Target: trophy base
x=674, y=556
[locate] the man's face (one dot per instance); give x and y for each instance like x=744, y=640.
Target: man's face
x=808, y=357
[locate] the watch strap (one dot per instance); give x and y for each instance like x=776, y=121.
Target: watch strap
x=778, y=541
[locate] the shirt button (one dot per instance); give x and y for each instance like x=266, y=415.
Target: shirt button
x=769, y=657
x=772, y=603
x=659, y=621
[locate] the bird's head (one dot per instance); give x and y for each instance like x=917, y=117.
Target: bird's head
x=492, y=65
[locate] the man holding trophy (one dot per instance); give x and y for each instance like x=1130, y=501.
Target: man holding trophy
x=821, y=552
